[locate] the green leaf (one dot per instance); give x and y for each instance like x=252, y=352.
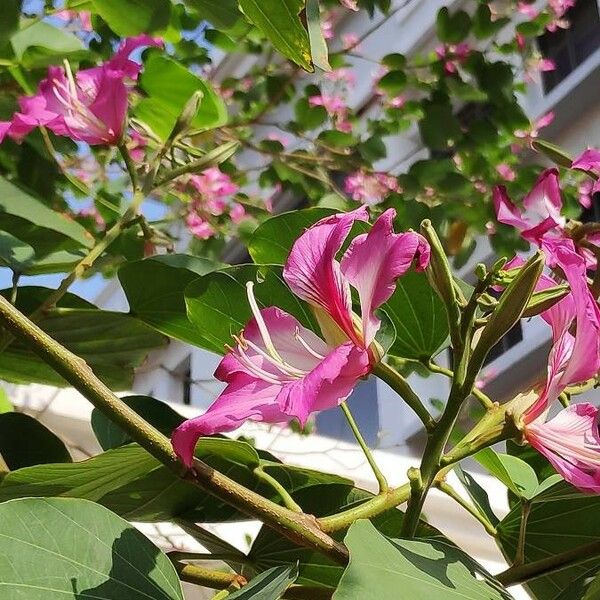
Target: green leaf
x=318, y=45
x=30, y=221
x=380, y=567
x=154, y=288
x=24, y=442
x=477, y=494
x=15, y=253
x=439, y=127
x=585, y=587
x=111, y=343
x=561, y=518
x=555, y=153
x=221, y=13
x=5, y=403
x=419, y=318
x=269, y=585
x=279, y=20
x=80, y=550
x=9, y=24
x=452, y=28
x=513, y=472
x=218, y=305
x=272, y=240
x=393, y=82
x=131, y=17
x=155, y=412
x=164, y=103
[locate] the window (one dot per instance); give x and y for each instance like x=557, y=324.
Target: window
x=183, y=372
x=569, y=48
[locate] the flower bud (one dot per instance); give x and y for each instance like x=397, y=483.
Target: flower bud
x=545, y=299
x=187, y=115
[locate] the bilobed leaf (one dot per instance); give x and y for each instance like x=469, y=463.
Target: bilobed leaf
x=477, y=494
x=42, y=44
x=269, y=585
x=131, y=17
x=561, y=518
x=432, y=570
x=112, y=343
x=80, y=550
x=164, y=103
x=280, y=21
x=513, y=472
x=154, y=288
x=21, y=212
x=218, y=305
x=318, y=45
x=24, y=442
x=155, y=412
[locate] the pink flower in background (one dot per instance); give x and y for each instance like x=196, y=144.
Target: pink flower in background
x=506, y=172
x=541, y=208
x=343, y=75
x=327, y=29
x=237, y=212
x=284, y=140
x=137, y=147
x=570, y=441
x=213, y=184
x=533, y=132
x=92, y=212
x=85, y=18
x=350, y=41
x=90, y=106
x=280, y=370
x=453, y=55
x=336, y=108
x=370, y=188
x=351, y=4
x=589, y=161
x=199, y=227
x=397, y=101
x=527, y=9
x=535, y=66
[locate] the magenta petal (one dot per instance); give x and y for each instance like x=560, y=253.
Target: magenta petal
x=589, y=160
x=506, y=211
x=313, y=273
x=110, y=106
x=543, y=205
x=327, y=385
x=570, y=441
x=375, y=260
x=244, y=398
x=121, y=62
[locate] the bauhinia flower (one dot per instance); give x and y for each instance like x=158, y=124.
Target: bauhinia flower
x=88, y=106
x=570, y=440
x=370, y=188
x=589, y=161
x=278, y=369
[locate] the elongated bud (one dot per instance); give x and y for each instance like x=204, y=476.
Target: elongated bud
x=216, y=156
x=555, y=153
x=188, y=113
x=439, y=272
x=545, y=299
x=511, y=305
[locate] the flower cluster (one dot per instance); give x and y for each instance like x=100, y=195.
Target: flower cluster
x=279, y=370
x=370, y=188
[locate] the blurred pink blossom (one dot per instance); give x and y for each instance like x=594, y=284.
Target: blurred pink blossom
x=506, y=172
x=199, y=227
x=237, y=212
x=370, y=188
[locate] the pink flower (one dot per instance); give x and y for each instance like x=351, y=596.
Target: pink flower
x=453, y=55
x=534, y=131
x=343, y=75
x=589, y=161
x=527, y=9
x=237, y=212
x=212, y=183
x=278, y=369
x=327, y=29
x=88, y=107
x=397, y=101
x=541, y=208
x=336, y=108
x=350, y=41
x=506, y=172
x=137, y=146
x=370, y=188
x=199, y=227
x=570, y=441
x=351, y=4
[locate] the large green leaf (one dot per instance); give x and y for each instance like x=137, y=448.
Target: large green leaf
x=585, y=587
x=318, y=45
x=14, y=253
x=280, y=21
x=24, y=441
x=9, y=24
x=155, y=412
x=223, y=14
x=218, y=306
x=432, y=570
x=112, y=343
x=42, y=44
x=30, y=221
x=154, y=288
x=164, y=103
x=67, y=549
x=130, y=17
x=269, y=585
x=561, y=518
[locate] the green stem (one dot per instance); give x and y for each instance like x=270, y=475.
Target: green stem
x=129, y=165
x=287, y=500
x=14, y=291
x=367, y=510
x=520, y=552
x=484, y=399
x=216, y=580
x=452, y=493
x=381, y=480
x=222, y=556
x=221, y=595
x=551, y=564
x=403, y=389
x=299, y=528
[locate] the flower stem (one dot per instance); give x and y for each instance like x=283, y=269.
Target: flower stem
x=551, y=564
x=520, y=553
x=286, y=498
x=403, y=389
x=381, y=480
x=484, y=399
x=299, y=528
x=452, y=493
x=216, y=580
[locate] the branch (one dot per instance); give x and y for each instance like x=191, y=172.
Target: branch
x=216, y=580
x=301, y=529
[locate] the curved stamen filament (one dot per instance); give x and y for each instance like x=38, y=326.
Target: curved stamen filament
x=254, y=368
x=262, y=327
x=284, y=367
x=304, y=343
